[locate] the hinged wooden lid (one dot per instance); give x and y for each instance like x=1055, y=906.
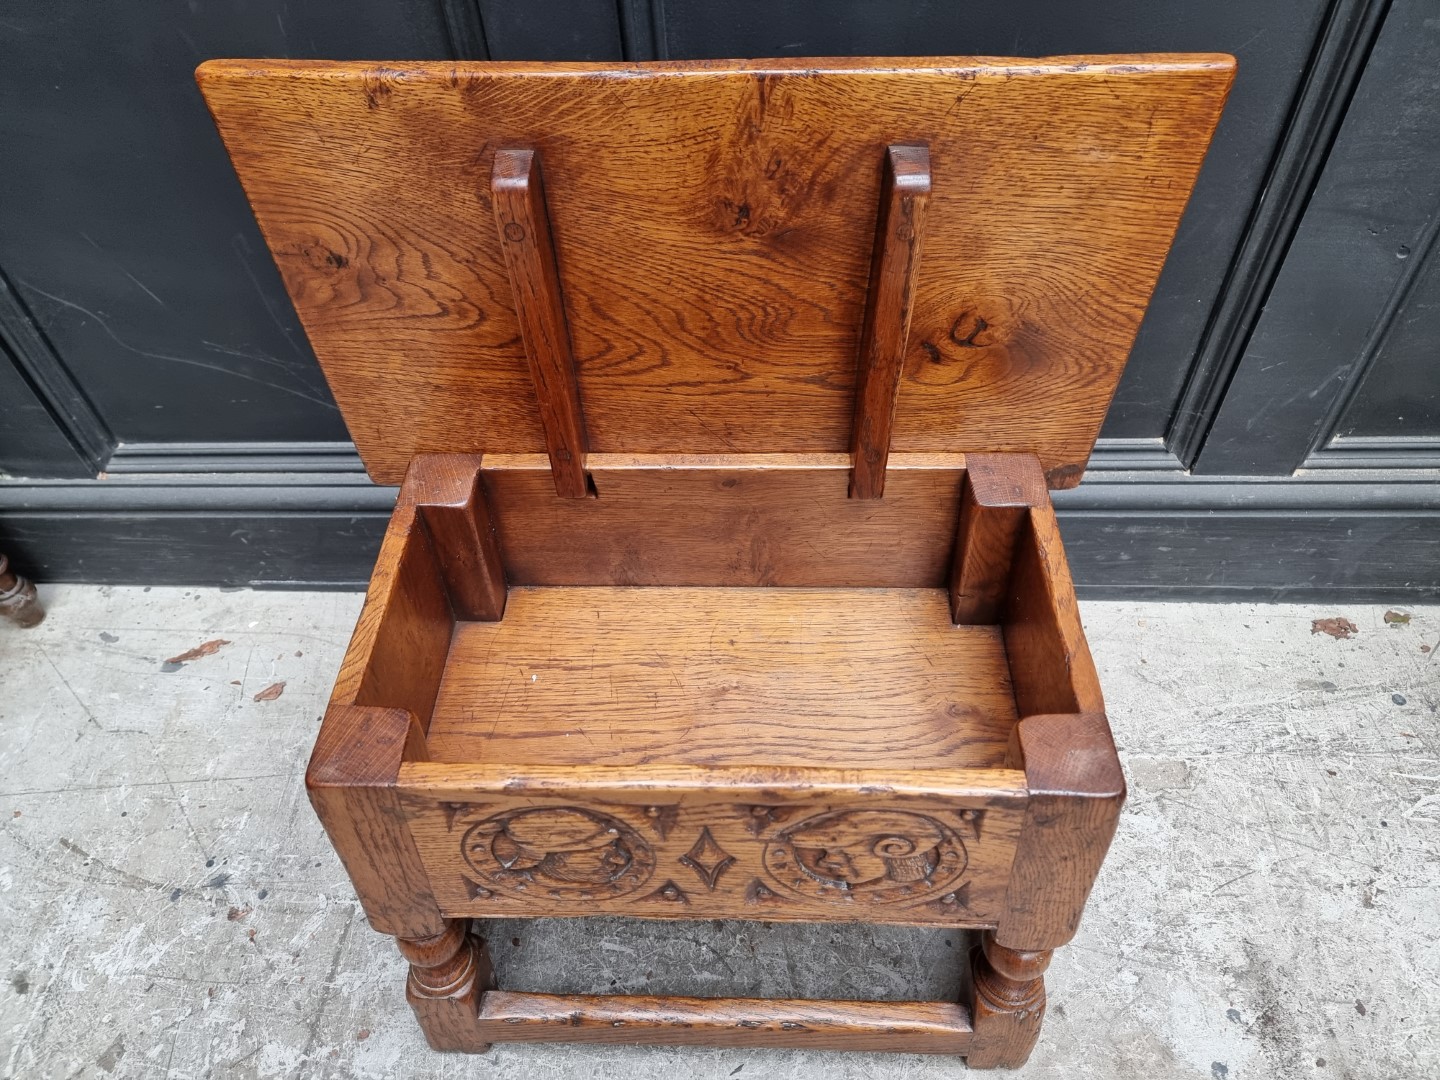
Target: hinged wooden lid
x=713, y=227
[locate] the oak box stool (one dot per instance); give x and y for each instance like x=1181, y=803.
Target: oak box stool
x=723, y=582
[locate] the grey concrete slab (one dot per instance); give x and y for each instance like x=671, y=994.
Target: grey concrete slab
x=169, y=906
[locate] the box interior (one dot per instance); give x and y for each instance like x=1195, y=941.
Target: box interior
x=723, y=613
x=724, y=676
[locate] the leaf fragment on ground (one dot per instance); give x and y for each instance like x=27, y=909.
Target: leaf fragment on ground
x=1397, y=618
x=271, y=692
x=209, y=648
x=1336, y=627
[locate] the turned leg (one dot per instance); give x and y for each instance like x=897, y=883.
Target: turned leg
x=18, y=601
x=448, y=973
x=1009, y=1004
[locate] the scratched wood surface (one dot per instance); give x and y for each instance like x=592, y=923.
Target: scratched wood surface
x=713, y=226
x=781, y=677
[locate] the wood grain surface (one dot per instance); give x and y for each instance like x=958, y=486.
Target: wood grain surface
x=912, y=1027
x=1076, y=791
x=517, y=190
x=995, y=507
x=1050, y=662
x=713, y=226
x=397, y=654
x=751, y=519
x=935, y=854
x=351, y=781
x=629, y=676
x=444, y=490
x=449, y=972
x=695, y=785
x=899, y=231
x=1007, y=1006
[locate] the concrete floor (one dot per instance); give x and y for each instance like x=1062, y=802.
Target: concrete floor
x=170, y=908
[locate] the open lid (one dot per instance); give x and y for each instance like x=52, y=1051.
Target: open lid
x=713, y=229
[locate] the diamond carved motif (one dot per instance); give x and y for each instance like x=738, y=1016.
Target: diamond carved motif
x=708, y=859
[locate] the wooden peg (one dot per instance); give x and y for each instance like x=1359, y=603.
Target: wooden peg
x=518, y=194
x=904, y=197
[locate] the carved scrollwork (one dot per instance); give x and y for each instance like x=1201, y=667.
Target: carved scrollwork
x=559, y=852
x=867, y=856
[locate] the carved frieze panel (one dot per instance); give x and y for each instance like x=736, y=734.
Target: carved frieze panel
x=920, y=863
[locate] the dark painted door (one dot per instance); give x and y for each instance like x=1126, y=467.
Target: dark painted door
x=1343, y=368
x=145, y=338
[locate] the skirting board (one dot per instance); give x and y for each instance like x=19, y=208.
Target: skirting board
x=1154, y=533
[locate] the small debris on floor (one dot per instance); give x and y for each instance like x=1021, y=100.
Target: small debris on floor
x=1397, y=618
x=1336, y=627
x=209, y=648
x=271, y=692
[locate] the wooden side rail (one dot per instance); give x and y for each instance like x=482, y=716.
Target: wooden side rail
x=439, y=561
x=397, y=653
x=899, y=227
x=1050, y=664
x=924, y=1027
x=1062, y=742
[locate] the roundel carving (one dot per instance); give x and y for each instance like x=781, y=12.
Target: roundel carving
x=560, y=852
x=867, y=856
